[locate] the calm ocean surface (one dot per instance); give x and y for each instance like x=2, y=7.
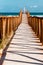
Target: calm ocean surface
x=15, y=14
x=37, y=14
x=9, y=14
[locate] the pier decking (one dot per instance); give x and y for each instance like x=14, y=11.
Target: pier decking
x=25, y=48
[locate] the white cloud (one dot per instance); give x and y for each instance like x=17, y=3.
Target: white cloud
x=34, y=6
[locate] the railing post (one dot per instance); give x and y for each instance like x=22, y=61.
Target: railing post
x=8, y=26
x=3, y=27
x=20, y=16
x=37, y=26
x=31, y=21
x=40, y=27
x=14, y=22
x=11, y=21
x=42, y=31
x=34, y=23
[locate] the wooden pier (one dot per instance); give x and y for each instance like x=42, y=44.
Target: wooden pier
x=26, y=45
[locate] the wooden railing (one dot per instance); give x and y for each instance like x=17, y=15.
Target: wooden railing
x=8, y=26
x=37, y=25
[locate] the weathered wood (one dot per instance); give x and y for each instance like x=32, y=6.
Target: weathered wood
x=25, y=48
x=41, y=30
x=37, y=25
x=8, y=25
x=3, y=27
x=0, y=29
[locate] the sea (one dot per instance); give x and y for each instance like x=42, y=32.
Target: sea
x=38, y=14
x=9, y=13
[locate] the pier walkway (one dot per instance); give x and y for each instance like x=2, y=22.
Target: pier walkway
x=25, y=48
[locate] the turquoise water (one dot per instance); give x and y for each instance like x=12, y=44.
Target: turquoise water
x=9, y=14
x=36, y=14
x=17, y=13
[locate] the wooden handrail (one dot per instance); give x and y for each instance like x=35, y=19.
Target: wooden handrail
x=8, y=26
x=37, y=25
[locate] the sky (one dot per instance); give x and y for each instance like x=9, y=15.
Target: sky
x=17, y=5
